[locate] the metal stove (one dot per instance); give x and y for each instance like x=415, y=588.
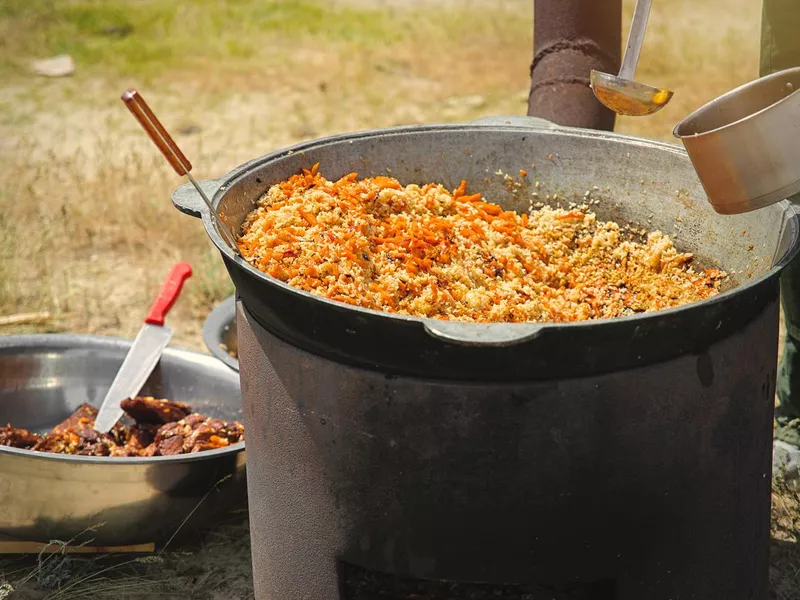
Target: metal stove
x=607, y=487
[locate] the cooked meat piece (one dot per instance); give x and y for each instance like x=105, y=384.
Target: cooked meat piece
x=194, y=419
x=213, y=433
x=154, y=410
x=196, y=433
x=163, y=428
x=171, y=437
x=84, y=441
x=83, y=416
x=76, y=435
x=169, y=446
x=18, y=438
x=140, y=437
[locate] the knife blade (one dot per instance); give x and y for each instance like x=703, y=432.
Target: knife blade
x=145, y=352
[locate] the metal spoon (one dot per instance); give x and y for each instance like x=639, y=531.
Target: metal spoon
x=139, y=108
x=620, y=93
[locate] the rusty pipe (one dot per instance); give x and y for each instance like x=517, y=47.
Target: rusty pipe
x=570, y=38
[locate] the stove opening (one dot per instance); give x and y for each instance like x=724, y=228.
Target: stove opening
x=363, y=584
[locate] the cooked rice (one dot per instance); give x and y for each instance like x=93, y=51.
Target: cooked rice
x=426, y=251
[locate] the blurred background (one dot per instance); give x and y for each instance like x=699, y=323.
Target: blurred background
x=87, y=230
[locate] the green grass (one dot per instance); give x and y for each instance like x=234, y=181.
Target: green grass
x=148, y=37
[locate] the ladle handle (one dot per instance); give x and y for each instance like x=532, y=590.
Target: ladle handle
x=635, y=39
x=150, y=123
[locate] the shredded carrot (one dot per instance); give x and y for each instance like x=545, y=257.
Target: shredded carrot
x=309, y=217
x=575, y=214
x=491, y=209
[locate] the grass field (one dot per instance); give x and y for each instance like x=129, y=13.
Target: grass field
x=87, y=231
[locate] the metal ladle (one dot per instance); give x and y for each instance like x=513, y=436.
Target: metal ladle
x=619, y=92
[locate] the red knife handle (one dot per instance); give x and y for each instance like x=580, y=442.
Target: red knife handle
x=169, y=293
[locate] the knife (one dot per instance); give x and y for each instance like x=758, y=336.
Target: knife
x=145, y=353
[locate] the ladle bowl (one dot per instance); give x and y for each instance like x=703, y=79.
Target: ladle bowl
x=626, y=97
x=620, y=92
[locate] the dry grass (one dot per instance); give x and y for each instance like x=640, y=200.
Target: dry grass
x=86, y=227
x=215, y=566
x=785, y=549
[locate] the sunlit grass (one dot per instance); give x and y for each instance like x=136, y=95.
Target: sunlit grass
x=148, y=37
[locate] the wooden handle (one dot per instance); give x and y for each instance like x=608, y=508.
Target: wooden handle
x=138, y=107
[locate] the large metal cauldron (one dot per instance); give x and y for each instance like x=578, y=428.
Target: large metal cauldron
x=43, y=379
x=646, y=183
x=613, y=460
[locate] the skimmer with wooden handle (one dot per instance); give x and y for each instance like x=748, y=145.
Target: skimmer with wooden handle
x=139, y=108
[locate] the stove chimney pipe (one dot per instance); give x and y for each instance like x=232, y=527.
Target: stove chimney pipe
x=570, y=38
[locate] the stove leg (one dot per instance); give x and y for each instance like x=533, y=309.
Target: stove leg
x=282, y=554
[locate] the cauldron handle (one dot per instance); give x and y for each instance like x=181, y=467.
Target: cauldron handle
x=788, y=244
x=482, y=334
x=491, y=334
x=189, y=202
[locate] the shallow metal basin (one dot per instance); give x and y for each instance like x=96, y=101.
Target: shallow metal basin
x=43, y=378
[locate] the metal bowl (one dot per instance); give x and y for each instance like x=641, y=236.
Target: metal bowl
x=744, y=144
x=43, y=378
x=219, y=333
